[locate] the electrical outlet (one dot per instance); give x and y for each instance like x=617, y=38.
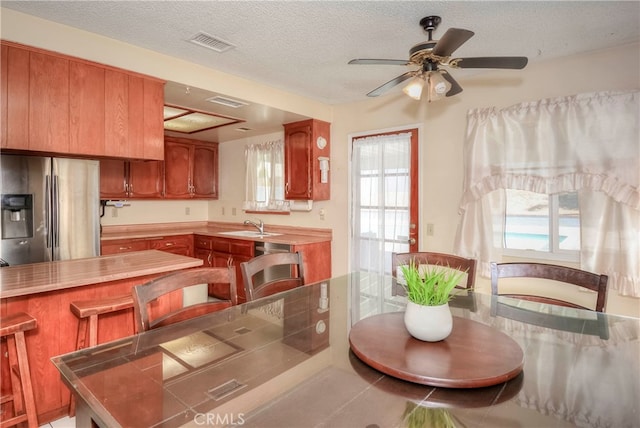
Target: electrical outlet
x=222, y=210
x=233, y=211
x=114, y=212
x=429, y=229
x=187, y=211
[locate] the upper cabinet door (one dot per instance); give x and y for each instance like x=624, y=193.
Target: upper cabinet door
x=153, y=121
x=86, y=108
x=117, y=113
x=305, y=143
x=15, y=97
x=113, y=179
x=145, y=179
x=205, y=171
x=48, y=103
x=177, y=167
x=297, y=155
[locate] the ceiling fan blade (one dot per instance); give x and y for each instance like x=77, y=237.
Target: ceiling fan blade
x=451, y=40
x=512, y=62
x=391, y=83
x=455, y=87
x=380, y=61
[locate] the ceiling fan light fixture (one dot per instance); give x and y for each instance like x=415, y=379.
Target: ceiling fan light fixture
x=414, y=88
x=437, y=86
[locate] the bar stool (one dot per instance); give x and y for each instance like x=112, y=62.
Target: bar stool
x=24, y=405
x=88, y=312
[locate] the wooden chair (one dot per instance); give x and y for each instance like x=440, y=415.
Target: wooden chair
x=452, y=261
x=145, y=296
x=440, y=259
x=256, y=289
x=596, y=326
x=581, y=278
x=24, y=407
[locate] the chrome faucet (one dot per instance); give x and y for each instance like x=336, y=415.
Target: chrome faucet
x=259, y=226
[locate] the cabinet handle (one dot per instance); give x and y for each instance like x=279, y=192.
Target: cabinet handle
x=124, y=248
x=209, y=258
x=169, y=244
x=230, y=261
x=130, y=189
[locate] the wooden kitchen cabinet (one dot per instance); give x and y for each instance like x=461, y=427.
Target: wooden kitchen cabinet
x=191, y=169
x=121, y=179
x=221, y=252
x=117, y=246
x=177, y=244
x=48, y=103
x=14, y=96
x=304, y=143
x=57, y=104
x=180, y=244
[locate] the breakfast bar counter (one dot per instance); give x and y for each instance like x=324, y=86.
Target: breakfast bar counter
x=46, y=290
x=51, y=276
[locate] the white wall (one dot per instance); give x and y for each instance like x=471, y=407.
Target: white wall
x=442, y=123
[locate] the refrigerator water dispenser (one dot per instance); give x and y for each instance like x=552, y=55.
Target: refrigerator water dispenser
x=17, y=216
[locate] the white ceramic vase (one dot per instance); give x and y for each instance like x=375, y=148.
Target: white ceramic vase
x=428, y=323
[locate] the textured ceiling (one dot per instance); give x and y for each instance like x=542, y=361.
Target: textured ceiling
x=304, y=46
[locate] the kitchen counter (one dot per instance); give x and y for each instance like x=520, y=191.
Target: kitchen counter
x=286, y=234
x=52, y=276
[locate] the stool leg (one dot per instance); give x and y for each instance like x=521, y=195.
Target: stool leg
x=25, y=376
x=16, y=387
x=93, y=330
x=81, y=341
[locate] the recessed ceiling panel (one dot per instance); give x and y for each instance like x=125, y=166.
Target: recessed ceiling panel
x=187, y=121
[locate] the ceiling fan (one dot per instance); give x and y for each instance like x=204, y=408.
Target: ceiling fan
x=430, y=56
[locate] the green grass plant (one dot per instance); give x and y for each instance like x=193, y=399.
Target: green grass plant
x=431, y=285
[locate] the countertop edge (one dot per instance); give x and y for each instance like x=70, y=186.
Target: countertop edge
x=51, y=283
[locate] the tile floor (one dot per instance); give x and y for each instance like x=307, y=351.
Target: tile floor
x=65, y=422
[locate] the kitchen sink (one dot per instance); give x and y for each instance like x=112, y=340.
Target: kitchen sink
x=249, y=233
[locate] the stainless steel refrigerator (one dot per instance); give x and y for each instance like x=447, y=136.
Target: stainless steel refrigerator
x=50, y=209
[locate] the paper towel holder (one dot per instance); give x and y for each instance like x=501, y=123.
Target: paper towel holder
x=324, y=169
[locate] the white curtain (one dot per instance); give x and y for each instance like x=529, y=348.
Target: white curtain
x=589, y=143
x=264, y=177
x=381, y=167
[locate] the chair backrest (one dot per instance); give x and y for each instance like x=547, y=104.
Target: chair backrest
x=440, y=259
x=596, y=325
x=271, y=285
x=591, y=281
x=149, y=315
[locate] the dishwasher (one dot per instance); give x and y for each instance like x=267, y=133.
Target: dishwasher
x=274, y=272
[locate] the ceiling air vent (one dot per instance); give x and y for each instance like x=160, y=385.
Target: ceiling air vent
x=228, y=102
x=207, y=41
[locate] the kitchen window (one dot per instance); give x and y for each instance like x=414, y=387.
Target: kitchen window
x=264, y=177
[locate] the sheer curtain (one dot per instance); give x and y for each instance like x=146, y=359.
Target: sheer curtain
x=380, y=178
x=264, y=177
x=589, y=143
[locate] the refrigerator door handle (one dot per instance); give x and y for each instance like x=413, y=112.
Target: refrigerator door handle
x=47, y=210
x=55, y=226
x=56, y=213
